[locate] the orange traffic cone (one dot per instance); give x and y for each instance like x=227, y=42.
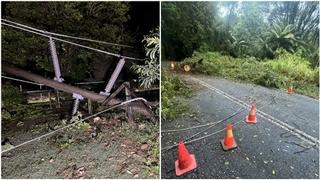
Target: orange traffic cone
x=254, y=107
x=228, y=142
x=251, y=118
x=290, y=90
x=186, y=161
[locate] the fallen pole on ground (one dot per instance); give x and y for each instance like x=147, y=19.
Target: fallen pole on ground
x=137, y=107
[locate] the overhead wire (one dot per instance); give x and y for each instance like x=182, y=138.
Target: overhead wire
x=93, y=82
x=20, y=80
x=51, y=35
x=66, y=36
x=75, y=44
x=30, y=82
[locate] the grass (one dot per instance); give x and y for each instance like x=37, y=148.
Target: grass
x=172, y=89
x=287, y=69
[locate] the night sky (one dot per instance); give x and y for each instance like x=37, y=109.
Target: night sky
x=144, y=17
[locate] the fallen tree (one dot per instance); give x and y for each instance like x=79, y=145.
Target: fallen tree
x=137, y=107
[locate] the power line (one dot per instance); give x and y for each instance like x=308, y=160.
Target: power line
x=203, y=137
x=212, y=123
x=198, y=139
x=30, y=82
x=20, y=80
x=75, y=44
x=91, y=116
x=67, y=36
x=203, y=125
x=93, y=82
x=234, y=114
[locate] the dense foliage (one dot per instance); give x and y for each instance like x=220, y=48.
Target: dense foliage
x=172, y=89
x=115, y=22
x=105, y=21
x=241, y=29
x=184, y=26
x=14, y=106
x=149, y=73
x=274, y=44
x=287, y=69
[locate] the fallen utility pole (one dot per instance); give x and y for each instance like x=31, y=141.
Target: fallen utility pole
x=137, y=107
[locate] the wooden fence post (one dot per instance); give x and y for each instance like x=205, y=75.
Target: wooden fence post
x=128, y=109
x=50, y=102
x=89, y=106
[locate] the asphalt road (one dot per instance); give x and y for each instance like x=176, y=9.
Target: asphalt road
x=283, y=144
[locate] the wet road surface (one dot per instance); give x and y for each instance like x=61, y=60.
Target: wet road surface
x=265, y=150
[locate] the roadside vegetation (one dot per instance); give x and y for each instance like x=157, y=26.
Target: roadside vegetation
x=273, y=44
x=172, y=92
x=15, y=108
x=285, y=70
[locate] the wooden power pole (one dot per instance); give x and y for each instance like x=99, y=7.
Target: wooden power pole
x=137, y=107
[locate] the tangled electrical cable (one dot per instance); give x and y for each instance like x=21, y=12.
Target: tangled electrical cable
x=198, y=139
x=81, y=120
x=203, y=125
x=188, y=141
x=234, y=114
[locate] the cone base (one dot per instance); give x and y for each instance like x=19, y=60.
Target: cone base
x=251, y=121
x=193, y=165
x=234, y=145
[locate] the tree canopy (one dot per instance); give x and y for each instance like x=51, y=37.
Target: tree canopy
x=105, y=21
x=240, y=29
x=184, y=26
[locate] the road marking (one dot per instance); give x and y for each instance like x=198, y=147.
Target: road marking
x=302, y=135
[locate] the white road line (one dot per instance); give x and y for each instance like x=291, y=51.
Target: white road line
x=302, y=135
